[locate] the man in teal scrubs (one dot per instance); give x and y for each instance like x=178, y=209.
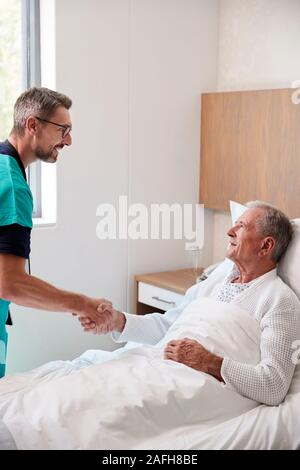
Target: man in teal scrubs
x=42, y=127
x=15, y=221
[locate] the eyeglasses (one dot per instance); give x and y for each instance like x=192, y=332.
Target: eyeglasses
x=65, y=129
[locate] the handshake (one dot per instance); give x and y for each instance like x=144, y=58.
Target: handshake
x=104, y=320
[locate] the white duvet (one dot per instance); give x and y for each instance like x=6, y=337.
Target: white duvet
x=137, y=399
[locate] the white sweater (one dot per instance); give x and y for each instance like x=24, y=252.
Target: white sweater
x=272, y=303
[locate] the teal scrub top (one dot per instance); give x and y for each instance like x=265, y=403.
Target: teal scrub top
x=16, y=205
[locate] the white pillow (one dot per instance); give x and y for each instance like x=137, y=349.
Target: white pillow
x=289, y=266
x=236, y=210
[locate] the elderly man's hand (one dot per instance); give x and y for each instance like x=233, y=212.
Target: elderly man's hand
x=193, y=354
x=113, y=320
x=97, y=312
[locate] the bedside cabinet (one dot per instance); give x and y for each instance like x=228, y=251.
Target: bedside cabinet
x=158, y=292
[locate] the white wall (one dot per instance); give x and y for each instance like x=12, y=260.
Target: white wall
x=173, y=59
x=135, y=70
x=258, y=44
x=258, y=49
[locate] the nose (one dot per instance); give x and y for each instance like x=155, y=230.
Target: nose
x=231, y=231
x=68, y=139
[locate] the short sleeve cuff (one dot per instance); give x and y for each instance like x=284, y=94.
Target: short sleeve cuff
x=15, y=240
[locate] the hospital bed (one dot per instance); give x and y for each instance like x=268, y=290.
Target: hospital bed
x=262, y=427
x=132, y=398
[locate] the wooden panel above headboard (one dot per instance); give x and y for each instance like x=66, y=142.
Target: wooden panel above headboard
x=250, y=149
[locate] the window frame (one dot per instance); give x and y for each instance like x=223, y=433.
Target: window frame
x=31, y=40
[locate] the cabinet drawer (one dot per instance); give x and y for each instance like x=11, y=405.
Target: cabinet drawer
x=157, y=297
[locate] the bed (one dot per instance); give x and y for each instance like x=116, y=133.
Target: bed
x=133, y=398
x=261, y=427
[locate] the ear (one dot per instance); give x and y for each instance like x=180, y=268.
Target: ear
x=267, y=246
x=32, y=125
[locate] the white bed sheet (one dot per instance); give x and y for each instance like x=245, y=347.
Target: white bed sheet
x=235, y=423
x=262, y=428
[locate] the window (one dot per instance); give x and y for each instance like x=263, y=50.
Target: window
x=11, y=61
x=19, y=69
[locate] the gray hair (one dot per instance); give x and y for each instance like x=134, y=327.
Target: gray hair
x=40, y=102
x=274, y=223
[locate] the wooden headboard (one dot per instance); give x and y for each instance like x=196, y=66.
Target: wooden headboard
x=250, y=149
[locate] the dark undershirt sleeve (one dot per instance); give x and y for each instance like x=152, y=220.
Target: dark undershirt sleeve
x=15, y=240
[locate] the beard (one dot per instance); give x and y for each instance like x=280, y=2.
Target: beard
x=48, y=157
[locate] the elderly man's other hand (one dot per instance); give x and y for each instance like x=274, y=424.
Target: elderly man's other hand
x=193, y=354
x=111, y=320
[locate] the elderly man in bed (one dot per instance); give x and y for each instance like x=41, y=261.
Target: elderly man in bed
x=257, y=241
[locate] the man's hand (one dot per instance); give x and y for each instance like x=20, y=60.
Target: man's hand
x=114, y=320
x=193, y=354
x=90, y=309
